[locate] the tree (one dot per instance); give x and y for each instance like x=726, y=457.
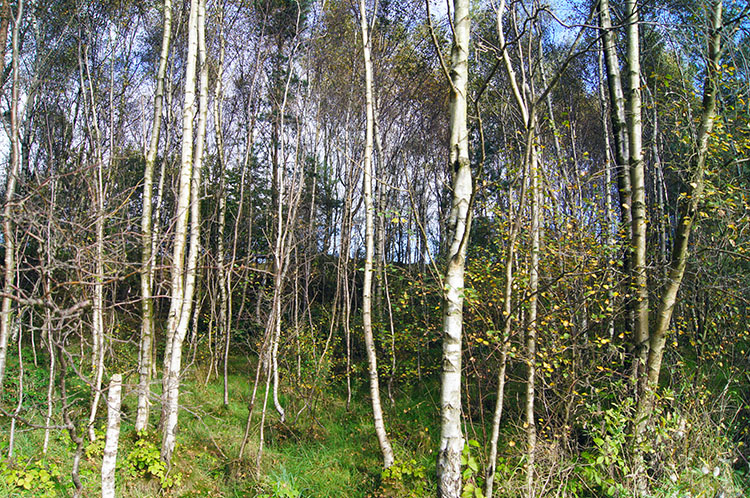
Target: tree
x=10, y=192
x=459, y=223
x=688, y=216
x=188, y=203
x=385, y=445
x=147, y=255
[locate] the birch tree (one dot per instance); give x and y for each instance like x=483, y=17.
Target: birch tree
x=459, y=222
x=188, y=203
x=147, y=266
x=689, y=211
x=6, y=315
x=639, y=281
x=385, y=445
x=109, y=459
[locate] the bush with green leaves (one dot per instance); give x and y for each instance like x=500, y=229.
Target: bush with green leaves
x=405, y=478
x=38, y=478
x=145, y=461
x=472, y=481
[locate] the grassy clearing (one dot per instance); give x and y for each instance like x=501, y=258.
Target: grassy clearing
x=328, y=451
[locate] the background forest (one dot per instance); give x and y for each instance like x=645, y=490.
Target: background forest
x=289, y=248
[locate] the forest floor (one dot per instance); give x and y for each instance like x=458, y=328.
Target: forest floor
x=325, y=448
x=328, y=450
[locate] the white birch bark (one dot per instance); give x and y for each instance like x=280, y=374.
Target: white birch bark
x=639, y=282
x=109, y=459
x=283, y=230
x=617, y=116
x=687, y=219
x=188, y=199
x=147, y=267
x=97, y=326
x=451, y=437
x=6, y=314
x=377, y=410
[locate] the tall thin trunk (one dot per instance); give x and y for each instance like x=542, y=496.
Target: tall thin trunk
x=532, y=322
x=617, y=116
x=507, y=325
x=451, y=437
x=342, y=284
x=189, y=197
x=147, y=272
x=19, y=394
x=97, y=327
x=687, y=219
x=281, y=251
x=113, y=437
x=639, y=282
x=377, y=411
x=608, y=216
x=6, y=315
x=4, y=23
x=225, y=319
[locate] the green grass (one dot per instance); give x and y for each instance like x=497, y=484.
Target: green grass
x=329, y=450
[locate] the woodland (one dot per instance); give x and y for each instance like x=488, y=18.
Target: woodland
x=375, y=248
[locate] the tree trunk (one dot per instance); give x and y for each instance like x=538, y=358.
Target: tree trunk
x=687, y=218
x=617, y=115
x=113, y=437
x=451, y=437
x=609, y=238
x=225, y=318
x=189, y=189
x=147, y=267
x=377, y=411
x=639, y=282
x=6, y=315
x=531, y=327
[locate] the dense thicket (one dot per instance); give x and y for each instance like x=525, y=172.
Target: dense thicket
x=524, y=226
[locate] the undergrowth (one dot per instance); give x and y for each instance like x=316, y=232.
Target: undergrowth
x=328, y=449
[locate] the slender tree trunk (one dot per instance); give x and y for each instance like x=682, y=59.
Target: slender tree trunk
x=515, y=226
x=5, y=17
x=451, y=437
x=225, y=319
x=6, y=315
x=639, y=283
x=385, y=445
x=97, y=327
x=283, y=231
x=75, y=435
x=47, y=328
x=113, y=437
x=147, y=267
x=617, y=116
x=189, y=197
x=19, y=394
x=620, y=134
x=687, y=219
x=531, y=330
x=507, y=323
x=608, y=216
